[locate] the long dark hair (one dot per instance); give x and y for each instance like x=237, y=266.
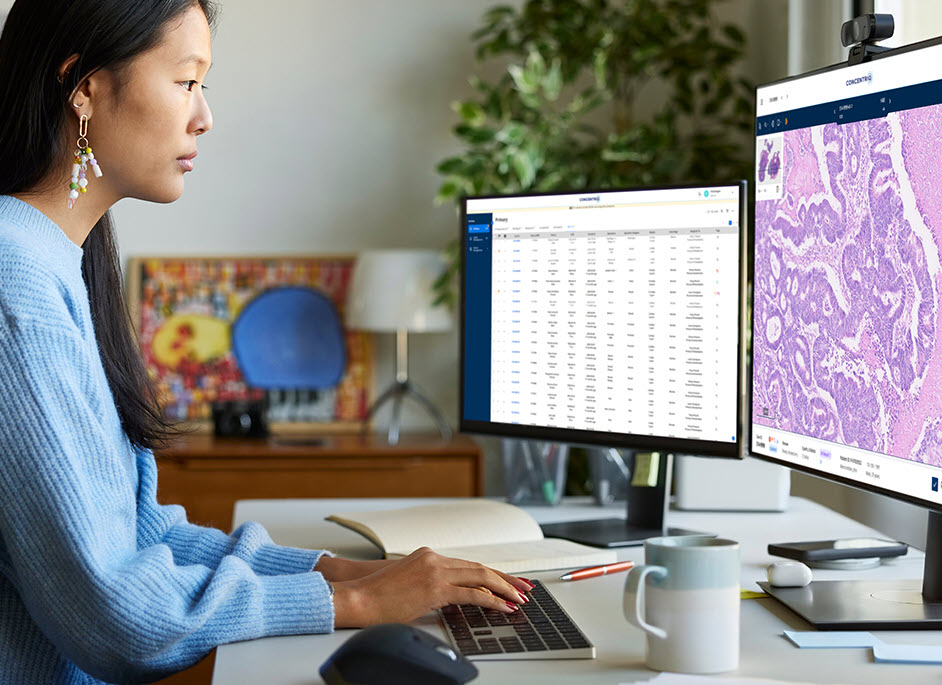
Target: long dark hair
x=37, y=38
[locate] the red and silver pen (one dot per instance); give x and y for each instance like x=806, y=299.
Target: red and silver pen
x=594, y=571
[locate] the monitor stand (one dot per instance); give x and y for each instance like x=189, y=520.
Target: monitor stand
x=874, y=604
x=647, y=510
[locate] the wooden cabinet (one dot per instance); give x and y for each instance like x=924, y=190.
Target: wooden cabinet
x=207, y=475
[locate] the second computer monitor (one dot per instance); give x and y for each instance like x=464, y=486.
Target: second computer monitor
x=609, y=318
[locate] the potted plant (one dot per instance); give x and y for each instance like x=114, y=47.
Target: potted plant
x=565, y=111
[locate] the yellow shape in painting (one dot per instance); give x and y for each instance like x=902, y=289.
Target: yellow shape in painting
x=195, y=337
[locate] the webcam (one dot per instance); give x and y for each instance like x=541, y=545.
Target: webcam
x=861, y=33
x=240, y=419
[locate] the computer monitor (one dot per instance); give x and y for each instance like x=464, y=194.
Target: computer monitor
x=607, y=318
x=847, y=336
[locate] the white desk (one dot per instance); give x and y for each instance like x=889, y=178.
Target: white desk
x=596, y=604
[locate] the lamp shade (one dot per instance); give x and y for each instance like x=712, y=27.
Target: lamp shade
x=391, y=290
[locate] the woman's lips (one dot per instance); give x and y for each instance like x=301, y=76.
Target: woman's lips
x=187, y=161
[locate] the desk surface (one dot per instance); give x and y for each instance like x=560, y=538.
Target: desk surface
x=596, y=604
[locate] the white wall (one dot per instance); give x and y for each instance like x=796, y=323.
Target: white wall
x=914, y=20
x=814, y=38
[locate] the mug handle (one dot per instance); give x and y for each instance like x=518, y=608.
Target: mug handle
x=634, y=593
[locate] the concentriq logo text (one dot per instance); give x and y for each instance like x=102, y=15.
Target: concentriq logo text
x=590, y=198
x=860, y=79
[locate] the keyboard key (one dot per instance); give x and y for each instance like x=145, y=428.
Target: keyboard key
x=511, y=644
x=541, y=629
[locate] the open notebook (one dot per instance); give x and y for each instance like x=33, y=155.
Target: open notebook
x=495, y=534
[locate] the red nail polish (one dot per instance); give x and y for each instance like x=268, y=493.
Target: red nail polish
x=523, y=597
x=512, y=605
x=528, y=582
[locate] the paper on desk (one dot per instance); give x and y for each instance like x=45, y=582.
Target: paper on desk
x=751, y=594
x=910, y=654
x=681, y=679
x=645, y=470
x=832, y=639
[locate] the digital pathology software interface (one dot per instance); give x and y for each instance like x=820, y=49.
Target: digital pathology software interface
x=846, y=366
x=610, y=312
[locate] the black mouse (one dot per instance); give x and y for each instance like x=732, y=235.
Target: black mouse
x=396, y=654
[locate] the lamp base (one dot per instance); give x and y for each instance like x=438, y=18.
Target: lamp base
x=396, y=392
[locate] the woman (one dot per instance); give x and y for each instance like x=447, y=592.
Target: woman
x=102, y=100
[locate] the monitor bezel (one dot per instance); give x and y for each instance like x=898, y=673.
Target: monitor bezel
x=734, y=450
x=750, y=267
x=877, y=57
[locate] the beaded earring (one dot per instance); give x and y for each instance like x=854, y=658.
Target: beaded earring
x=83, y=157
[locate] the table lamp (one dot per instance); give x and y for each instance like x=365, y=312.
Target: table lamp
x=391, y=292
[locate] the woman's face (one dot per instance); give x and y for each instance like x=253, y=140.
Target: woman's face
x=144, y=121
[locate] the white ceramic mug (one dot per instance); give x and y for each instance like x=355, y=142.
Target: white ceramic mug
x=686, y=598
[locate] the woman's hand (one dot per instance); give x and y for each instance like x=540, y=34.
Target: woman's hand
x=337, y=570
x=404, y=589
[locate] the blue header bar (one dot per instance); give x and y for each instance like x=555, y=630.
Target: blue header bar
x=860, y=108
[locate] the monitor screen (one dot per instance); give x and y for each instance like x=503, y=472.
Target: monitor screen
x=847, y=339
x=606, y=318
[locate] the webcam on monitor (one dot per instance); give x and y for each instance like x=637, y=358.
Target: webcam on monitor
x=862, y=33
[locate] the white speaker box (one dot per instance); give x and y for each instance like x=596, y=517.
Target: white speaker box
x=748, y=484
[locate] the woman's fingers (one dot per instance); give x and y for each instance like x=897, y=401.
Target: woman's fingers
x=521, y=584
x=484, y=599
x=421, y=582
x=471, y=574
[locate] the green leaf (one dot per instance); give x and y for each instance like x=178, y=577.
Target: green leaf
x=523, y=167
x=512, y=134
x=474, y=134
x=452, y=165
x=523, y=80
x=536, y=66
x=446, y=191
x=553, y=81
x=530, y=100
x=470, y=112
x=735, y=34
x=552, y=181
x=498, y=12
x=600, y=68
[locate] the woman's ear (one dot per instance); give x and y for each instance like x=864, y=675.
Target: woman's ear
x=80, y=98
x=66, y=67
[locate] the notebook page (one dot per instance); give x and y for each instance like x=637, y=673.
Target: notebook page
x=538, y=555
x=445, y=525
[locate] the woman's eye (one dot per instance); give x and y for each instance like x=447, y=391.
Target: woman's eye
x=188, y=84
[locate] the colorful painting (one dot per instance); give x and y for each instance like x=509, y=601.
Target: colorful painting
x=184, y=307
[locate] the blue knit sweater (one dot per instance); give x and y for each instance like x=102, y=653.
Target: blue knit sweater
x=97, y=581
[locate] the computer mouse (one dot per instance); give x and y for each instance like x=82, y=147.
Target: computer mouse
x=788, y=574
x=396, y=654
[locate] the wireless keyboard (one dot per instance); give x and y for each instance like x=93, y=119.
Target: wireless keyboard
x=540, y=629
